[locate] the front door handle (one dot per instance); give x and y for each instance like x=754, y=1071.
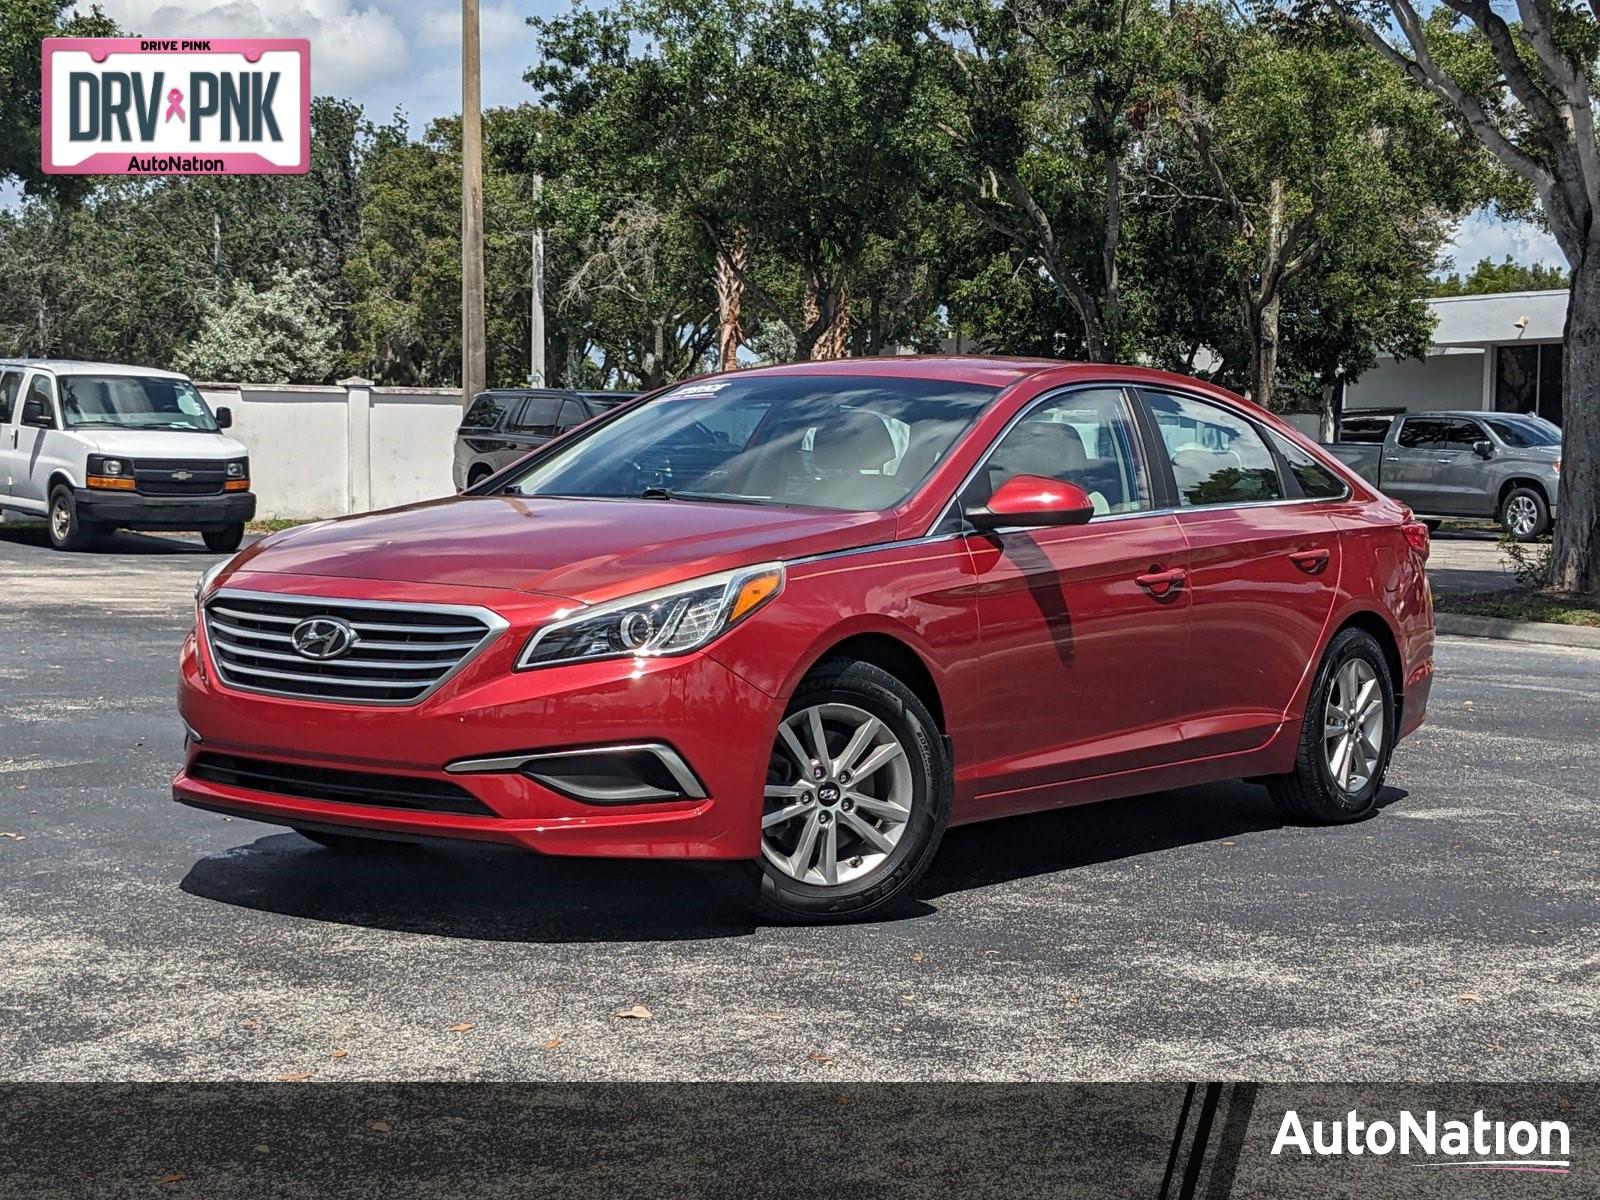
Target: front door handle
x=1162, y=583
x=1310, y=561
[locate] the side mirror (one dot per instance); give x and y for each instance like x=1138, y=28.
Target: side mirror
x=1032, y=501
x=34, y=413
x=224, y=417
x=1483, y=448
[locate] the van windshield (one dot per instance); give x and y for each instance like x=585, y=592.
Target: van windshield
x=133, y=402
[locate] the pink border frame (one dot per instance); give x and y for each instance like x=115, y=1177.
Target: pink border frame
x=237, y=162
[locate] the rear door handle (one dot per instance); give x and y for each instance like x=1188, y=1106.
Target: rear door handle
x=1310, y=561
x=1162, y=583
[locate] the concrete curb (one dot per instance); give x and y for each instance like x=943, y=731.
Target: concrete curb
x=1543, y=632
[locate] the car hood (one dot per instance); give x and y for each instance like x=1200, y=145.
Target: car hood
x=162, y=443
x=578, y=549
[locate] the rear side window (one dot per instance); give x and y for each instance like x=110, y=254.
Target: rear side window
x=1315, y=480
x=538, y=417
x=573, y=414
x=1424, y=433
x=10, y=385
x=484, y=412
x=1217, y=456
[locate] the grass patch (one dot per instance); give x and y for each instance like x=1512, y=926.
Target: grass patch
x=276, y=524
x=1523, y=605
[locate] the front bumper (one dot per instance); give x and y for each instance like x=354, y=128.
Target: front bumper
x=721, y=726
x=130, y=510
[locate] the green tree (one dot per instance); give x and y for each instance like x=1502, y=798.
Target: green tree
x=23, y=23
x=1489, y=277
x=279, y=334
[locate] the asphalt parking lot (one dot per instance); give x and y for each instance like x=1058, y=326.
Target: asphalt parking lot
x=1187, y=934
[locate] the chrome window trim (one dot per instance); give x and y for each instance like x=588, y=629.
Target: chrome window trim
x=496, y=624
x=669, y=758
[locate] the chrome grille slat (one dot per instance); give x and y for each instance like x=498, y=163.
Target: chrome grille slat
x=249, y=637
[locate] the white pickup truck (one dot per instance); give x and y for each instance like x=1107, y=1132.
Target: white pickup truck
x=99, y=446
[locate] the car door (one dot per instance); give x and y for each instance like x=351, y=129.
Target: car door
x=1411, y=464
x=10, y=435
x=1263, y=572
x=1084, y=629
x=37, y=448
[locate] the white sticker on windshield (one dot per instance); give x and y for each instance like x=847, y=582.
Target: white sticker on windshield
x=701, y=389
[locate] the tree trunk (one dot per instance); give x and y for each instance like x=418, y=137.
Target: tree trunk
x=730, y=299
x=835, y=340
x=1264, y=350
x=1575, y=561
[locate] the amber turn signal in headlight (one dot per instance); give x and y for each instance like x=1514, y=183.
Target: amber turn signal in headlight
x=115, y=483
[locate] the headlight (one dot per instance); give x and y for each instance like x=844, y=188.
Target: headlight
x=674, y=620
x=102, y=471
x=237, y=469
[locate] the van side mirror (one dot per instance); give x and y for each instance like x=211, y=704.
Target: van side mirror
x=34, y=413
x=1483, y=448
x=224, y=417
x=1033, y=501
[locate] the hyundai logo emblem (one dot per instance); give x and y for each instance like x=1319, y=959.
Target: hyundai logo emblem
x=323, y=637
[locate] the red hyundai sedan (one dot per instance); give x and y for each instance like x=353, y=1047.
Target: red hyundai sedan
x=802, y=619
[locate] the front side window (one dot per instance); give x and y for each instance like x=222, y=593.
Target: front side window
x=1217, y=456
x=1084, y=437
x=1463, y=435
x=856, y=443
x=133, y=402
x=10, y=385
x=39, y=389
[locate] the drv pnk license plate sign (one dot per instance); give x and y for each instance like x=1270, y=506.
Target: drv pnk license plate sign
x=177, y=106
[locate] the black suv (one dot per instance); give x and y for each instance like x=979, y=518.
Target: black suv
x=503, y=424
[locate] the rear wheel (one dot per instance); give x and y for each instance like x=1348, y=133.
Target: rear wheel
x=224, y=540
x=477, y=475
x=1346, y=737
x=1524, y=514
x=67, y=530
x=856, y=799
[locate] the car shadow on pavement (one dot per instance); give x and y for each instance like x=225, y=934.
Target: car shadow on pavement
x=492, y=893
x=117, y=542
x=975, y=856
x=489, y=893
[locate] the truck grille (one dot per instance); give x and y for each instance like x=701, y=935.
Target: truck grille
x=155, y=477
x=401, y=653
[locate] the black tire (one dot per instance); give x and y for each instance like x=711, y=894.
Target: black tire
x=1309, y=794
x=1519, y=505
x=774, y=894
x=224, y=540
x=67, y=531
x=477, y=475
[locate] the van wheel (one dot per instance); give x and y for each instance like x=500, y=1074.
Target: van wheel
x=1346, y=737
x=225, y=539
x=1524, y=514
x=857, y=797
x=67, y=532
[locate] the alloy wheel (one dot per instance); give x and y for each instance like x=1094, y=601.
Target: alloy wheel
x=838, y=795
x=1352, y=726
x=1522, y=515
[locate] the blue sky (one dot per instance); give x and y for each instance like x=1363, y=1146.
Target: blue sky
x=390, y=54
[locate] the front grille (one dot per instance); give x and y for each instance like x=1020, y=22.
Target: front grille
x=154, y=477
x=401, y=653
x=339, y=787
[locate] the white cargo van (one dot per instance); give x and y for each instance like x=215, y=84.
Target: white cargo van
x=93, y=447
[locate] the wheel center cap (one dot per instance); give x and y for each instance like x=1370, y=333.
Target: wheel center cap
x=828, y=795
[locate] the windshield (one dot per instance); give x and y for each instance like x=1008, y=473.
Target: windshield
x=1525, y=431
x=133, y=402
x=856, y=443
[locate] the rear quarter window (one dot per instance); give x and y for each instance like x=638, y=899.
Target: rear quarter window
x=1316, y=481
x=484, y=412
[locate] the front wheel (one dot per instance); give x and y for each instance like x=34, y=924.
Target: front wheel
x=224, y=540
x=67, y=530
x=1524, y=514
x=857, y=797
x=1346, y=737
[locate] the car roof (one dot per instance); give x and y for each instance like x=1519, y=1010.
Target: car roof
x=75, y=366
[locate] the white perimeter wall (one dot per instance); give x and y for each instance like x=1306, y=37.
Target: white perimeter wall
x=327, y=451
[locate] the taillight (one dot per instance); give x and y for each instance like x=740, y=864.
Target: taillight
x=1417, y=534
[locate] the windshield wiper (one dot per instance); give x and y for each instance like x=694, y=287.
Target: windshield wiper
x=661, y=493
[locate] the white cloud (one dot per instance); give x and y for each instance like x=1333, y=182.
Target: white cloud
x=1481, y=236
x=498, y=26
x=350, y=43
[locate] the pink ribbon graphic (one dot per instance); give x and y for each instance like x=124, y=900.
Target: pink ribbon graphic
x=175, y=105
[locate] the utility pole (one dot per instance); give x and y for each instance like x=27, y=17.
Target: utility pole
x=473, y=357
x=536, y=305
